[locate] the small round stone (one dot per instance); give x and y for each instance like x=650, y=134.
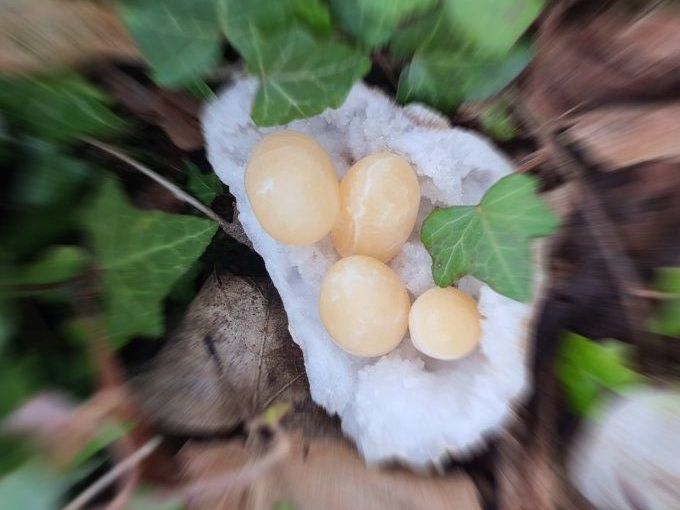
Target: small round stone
x=293, y=188
x=364, y=306
x=379, y=199
x=445, y=323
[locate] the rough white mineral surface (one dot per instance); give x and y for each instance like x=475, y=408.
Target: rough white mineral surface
x=401, y=406
x=628, y=457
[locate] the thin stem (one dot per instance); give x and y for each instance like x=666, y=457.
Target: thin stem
x=116, y=472
x=229, y=228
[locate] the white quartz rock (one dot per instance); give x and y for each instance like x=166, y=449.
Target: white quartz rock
x=402, y=406
x=628, y=458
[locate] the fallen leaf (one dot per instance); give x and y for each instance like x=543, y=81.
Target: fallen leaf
x=42, y=35
x=174, y=111
x=589, y=56
x=620, y=136
x=61, y=426
x=318, y=474
x=231, y=357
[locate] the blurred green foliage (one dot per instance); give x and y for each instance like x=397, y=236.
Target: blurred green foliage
x=306, y=54
x=667, y=319
x=588, y=369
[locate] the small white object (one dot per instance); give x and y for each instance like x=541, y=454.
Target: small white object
x=402, y=406
x=628, y=458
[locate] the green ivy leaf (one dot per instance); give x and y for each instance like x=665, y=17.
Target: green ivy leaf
x=247, y=22
x=300, y=76
x=493, y=26
x=585, y=368
x=60, y=108
x=49, y=177
x=444, y=79
x=497, y=121
x=491, y=240
x=33, y=486
x=141, y=255
x=179, y=38
x=56, y=264
x=204, y=186
x=314, y=14
x=373, y=22
x=50, y=185
x=667, y=319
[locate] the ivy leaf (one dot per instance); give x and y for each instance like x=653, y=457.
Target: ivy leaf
x=444, y=79
x=33, y=486
x=493, y=26
x=300, y=76
x=49, y=186
x=496, y=121
x=491, y=240
x=141, y=255
x=373, y=22
x=315, y=14
x=58, y=108
x=247, y=22
x=585, y=368
x=205, y=187
x=667, y=319
x=56, y=264
x=179, y=38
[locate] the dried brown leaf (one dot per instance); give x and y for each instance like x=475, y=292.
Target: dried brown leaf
x=321, y=473
x=42, y=35
x=175, y=112
x=231, y=357
x=588, y=57
x=59, y=424
x=621, y=136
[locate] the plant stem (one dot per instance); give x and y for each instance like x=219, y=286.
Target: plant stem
x=231, y=229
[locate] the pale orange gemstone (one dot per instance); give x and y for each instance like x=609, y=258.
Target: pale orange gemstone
x=293, y=188
x=379, y=198
x=445, y=323
x=364, y=306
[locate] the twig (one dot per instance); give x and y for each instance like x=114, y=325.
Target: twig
x=231, y=229
x=118, y=470
x=605, y=232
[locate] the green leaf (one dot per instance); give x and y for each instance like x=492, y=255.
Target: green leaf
x=429, y=33
x=300, y=77
x=667, y=319
x=50, y=185
x=247, y=22
x=33, y=486
x=58, y=108
x=373, y=22
x=56, y=264
x=444, y=79
x=107, y=434
x=491, y=240
x=148, y=499
x=49, y=177
x=315, y=15
x=179, y=38
x=204, y=186
x=497, y=121
x=493, y=26
x=141, y=255
x=585, y=368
